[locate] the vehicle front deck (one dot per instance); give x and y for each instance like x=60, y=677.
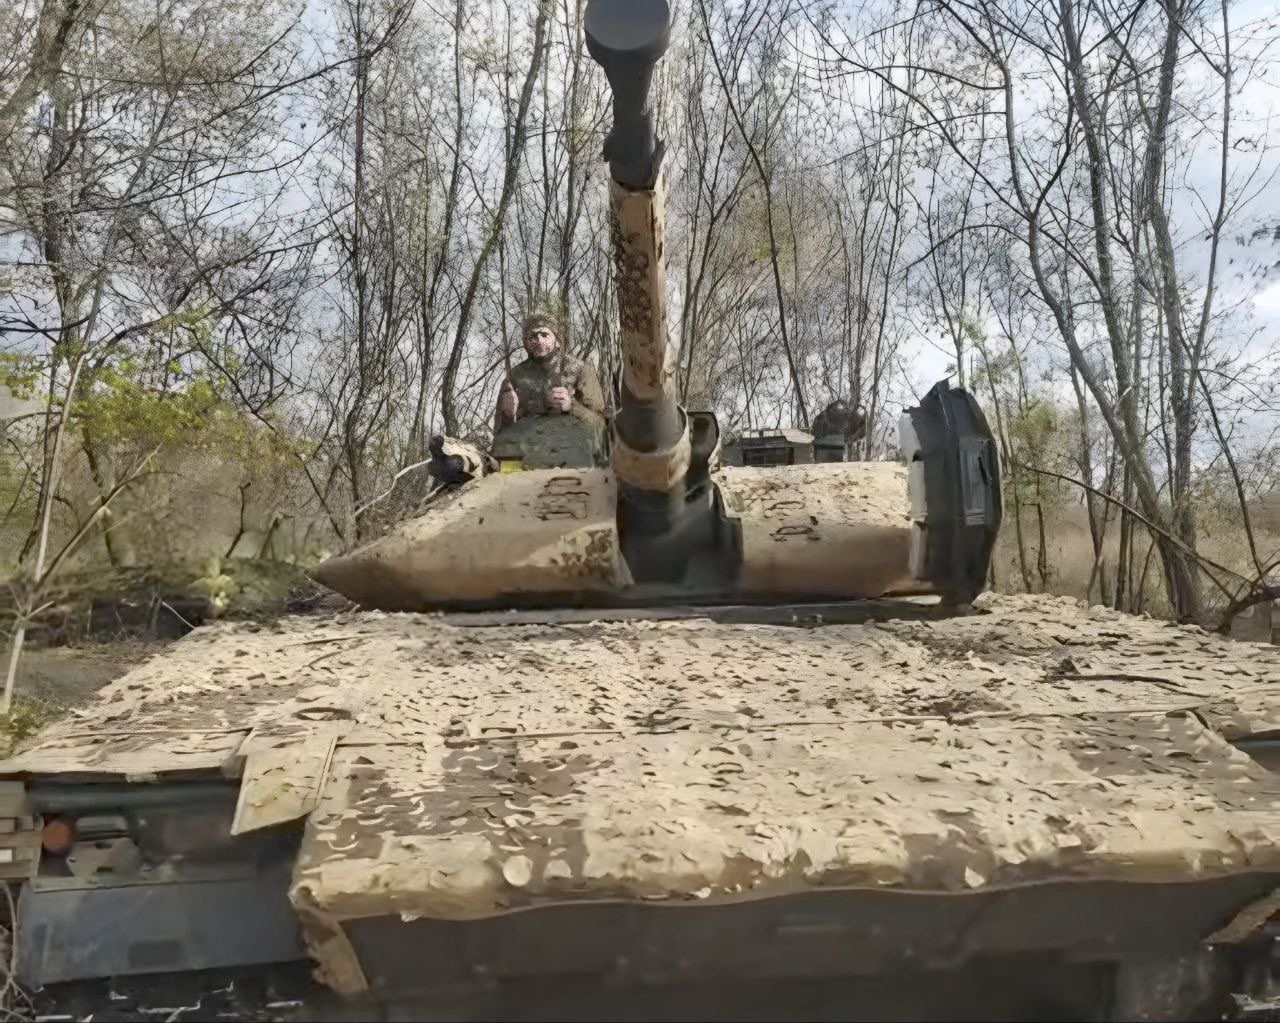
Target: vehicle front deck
x=460, y=768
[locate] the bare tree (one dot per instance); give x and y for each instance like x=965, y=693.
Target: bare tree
x=150, y=205
x=513, y=157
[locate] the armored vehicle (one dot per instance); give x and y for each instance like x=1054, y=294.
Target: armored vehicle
x=764, y=446
x=675, y=739
x=834, y=436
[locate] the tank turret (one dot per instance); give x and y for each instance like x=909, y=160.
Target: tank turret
x=666, y=524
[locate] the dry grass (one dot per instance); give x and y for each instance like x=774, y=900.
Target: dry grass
x=15, y=1003
x=27, y=716
x=1070, y=554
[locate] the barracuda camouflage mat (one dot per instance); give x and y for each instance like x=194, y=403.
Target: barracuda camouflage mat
x=455, y=771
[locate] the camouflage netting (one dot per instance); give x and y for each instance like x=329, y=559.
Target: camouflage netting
x=458, y=771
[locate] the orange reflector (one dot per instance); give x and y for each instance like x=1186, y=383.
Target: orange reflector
x=58, y=836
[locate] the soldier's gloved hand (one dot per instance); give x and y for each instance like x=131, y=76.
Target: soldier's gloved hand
x=508, y=401
x=561, y=399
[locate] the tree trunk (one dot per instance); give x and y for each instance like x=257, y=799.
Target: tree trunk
x=448, y=387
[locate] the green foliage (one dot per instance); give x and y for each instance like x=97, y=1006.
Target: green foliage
x=26, y=717
x=119, y=410
x=1005, y=367
x=191, y=415
x=229, y=586
x=145, y=402
x=973, y=331
x=487, y=54
x=21, y=374
x=1034, y=426
x=252, y=585
x=215, y=585
x=1035, y=432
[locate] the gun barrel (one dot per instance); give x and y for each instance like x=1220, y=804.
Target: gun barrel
x=651, y=443
x=627, y=38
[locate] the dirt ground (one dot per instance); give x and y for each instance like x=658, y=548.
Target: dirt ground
x=52, y=680
x=67, y=676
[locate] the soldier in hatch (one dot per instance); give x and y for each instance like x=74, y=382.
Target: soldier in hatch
x=550, y=381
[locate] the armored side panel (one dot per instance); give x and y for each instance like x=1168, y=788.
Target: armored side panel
x=519, y=537
x=955, y=491
x=72, y=928
x=813, y=531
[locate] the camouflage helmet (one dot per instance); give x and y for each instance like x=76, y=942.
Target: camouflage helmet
x=543, y=316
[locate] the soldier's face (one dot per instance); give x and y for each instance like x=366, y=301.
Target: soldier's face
x=540, y=342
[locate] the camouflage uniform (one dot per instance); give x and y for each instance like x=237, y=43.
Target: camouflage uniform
x=534, y=379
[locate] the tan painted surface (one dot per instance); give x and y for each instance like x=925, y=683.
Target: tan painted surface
x=476, y=770
x=690, y=760
x=648, y=359
x=659, y=470
x=838, y=529
x=541, y=531
x=285, y=767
